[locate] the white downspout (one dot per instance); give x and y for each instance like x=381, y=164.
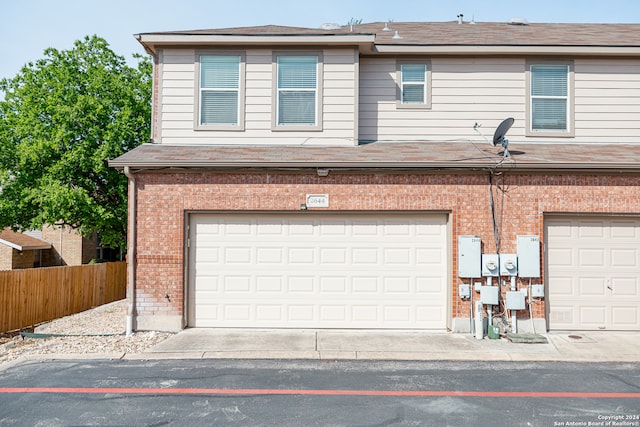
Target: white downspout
x=131, y=252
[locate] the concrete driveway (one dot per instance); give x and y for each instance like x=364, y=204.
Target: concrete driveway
x=398, y=345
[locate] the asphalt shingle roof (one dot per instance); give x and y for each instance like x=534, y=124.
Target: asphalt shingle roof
x=392, y=155
x=21, y=241
x=452, y=33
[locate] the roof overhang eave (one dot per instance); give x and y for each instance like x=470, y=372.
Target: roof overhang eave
x=151, y=41
x=384, y=165
x=25, y=247
x=507, y=50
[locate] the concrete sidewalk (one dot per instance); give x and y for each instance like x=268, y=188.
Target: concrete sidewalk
x=374, y=345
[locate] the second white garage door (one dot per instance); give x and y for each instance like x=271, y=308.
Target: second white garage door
x=594, y=273
x=313, y=270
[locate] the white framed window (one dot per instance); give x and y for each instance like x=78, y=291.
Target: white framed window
x=298, y=92
x=220, y=97
x=550, y=99
x=414, y=84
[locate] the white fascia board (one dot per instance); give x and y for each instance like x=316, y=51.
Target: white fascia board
x=15, y=246
x=509, y=50
x=10, y=244
x=31, y=248
x=303, y=40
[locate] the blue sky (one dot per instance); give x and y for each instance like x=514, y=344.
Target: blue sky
x=30, y=26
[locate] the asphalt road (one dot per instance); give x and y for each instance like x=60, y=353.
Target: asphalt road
x=318, y=393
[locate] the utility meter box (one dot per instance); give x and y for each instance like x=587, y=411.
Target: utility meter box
x=515, y=300
x=469, y=257
x=537, y=291
x=464, y=291
x=508, y=264
x=528, y=256
x=490, y=265
x=490, y=295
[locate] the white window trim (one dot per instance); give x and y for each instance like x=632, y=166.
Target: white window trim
x=319, y=92
x=427, y=84
x=241, y=91
x=570, y=131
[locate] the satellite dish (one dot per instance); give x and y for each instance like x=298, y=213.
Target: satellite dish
x=498, y=136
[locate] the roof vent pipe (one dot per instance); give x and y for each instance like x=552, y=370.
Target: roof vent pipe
x=460, y=21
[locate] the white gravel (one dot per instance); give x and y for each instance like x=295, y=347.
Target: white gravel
x=108, y=320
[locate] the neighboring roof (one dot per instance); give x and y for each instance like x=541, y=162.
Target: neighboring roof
x=21, y=241
x=389, y=155
x=433, y=37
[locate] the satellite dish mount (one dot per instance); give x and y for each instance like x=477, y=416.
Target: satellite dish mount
x=499, y=136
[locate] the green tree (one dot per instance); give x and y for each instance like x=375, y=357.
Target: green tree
x=61, y=119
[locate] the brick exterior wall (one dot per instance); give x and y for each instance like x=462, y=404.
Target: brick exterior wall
x=24, y=259
x=68, y=246
x=521, y=201
x=12, y=259
x=6, y=257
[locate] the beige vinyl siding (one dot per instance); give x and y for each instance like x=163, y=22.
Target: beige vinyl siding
x=488, y=90
x=607, y=100
x=464, y=91
x=178, y=109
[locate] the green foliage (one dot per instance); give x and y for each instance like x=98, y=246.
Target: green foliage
x=62, y=118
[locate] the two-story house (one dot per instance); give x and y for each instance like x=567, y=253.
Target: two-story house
x=346, y=177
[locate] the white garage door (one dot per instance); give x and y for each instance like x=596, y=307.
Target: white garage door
x=594, y=273
x=313, y=270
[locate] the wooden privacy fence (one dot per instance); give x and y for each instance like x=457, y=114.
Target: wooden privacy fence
x=32, y=296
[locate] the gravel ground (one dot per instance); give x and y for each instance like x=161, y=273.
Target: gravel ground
x=108, y=319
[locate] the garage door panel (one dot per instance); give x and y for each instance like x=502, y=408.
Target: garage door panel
x=237, y=255
x=430, y=285
x=364, y=256
x=269, y=312
x=596, y=287
x=270, y=228
x=301, y=312
x=561, y=256
x=335, y=255
x=591, y=258
x=625, y=230
x=333, y=285
x=624, y=257
x=561, y=228
x=427, y=256
x=236, y=228
x=593, y=316
x=269, y=284
x=321, y=271
x=562, y=286
x=625, y=315
x=364, y=284
x=591, y=229
x=562, y=316
x=624, y=287
x=591, y=287
x=396, y=256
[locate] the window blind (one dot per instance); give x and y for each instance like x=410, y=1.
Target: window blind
x=219, y=89
x=413, y=83
x=549, y=97
x=297, y=90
